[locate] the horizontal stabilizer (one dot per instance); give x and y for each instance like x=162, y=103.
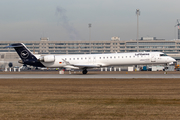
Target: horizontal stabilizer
x=14, y=45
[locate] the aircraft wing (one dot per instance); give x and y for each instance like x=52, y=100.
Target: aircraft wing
x=86, y=66
x=81, y=66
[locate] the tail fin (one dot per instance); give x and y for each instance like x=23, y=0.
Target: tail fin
x=25, y=54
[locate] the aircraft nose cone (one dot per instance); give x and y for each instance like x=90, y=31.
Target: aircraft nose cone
x=173, y=60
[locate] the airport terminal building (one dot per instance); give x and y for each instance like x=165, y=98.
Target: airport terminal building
x=148, y=44
x=46, y=46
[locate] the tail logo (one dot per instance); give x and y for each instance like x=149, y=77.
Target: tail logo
x=24, y=54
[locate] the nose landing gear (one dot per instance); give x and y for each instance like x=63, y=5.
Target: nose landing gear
x=84, y=71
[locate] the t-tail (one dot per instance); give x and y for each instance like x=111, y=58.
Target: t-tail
x=26, y=56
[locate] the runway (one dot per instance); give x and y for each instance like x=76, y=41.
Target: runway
x=117, y=76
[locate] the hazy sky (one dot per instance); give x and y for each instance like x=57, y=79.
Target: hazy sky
x=69, y=19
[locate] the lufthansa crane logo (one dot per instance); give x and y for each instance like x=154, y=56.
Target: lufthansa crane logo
x=24, y=54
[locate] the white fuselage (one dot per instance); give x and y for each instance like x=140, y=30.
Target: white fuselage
x=114, y=59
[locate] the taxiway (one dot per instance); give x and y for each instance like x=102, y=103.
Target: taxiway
x=117, y=76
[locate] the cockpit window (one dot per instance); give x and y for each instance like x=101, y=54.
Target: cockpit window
x=163, y=55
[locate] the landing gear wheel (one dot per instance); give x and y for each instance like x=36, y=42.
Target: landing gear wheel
x=84, y=71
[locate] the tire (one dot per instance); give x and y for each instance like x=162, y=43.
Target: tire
x=84, y=71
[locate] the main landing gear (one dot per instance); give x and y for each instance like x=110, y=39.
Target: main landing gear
x=84, y=71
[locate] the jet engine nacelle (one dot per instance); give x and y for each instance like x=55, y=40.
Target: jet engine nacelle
x=48, y=58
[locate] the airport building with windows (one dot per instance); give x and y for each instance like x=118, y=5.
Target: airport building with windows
x=46, y=46
x=148, y=44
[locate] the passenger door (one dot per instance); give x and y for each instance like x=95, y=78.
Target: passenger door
x=92, y=60
x=153, y=57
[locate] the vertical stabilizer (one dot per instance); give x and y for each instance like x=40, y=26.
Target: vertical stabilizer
x=25, y=54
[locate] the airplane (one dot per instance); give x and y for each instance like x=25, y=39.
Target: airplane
x=88, y=61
